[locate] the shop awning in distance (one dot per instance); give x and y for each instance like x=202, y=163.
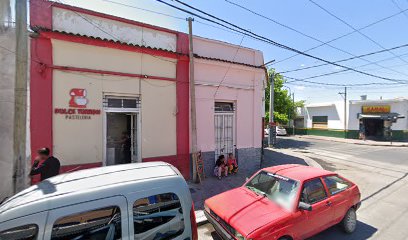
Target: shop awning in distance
x=385, y=116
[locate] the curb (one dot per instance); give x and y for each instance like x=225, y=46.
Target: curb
x=308, y=160
x=355, y=143
x=200, y=218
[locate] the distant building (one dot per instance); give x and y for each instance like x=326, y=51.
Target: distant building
x=381, y=119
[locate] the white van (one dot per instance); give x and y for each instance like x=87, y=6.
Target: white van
x=146, y=201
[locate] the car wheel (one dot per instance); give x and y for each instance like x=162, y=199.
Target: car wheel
x=349, y=222
x=284, y=238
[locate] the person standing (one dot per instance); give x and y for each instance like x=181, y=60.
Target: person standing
x=126, y=142
x=49, y=167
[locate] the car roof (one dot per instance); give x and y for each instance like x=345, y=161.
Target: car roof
x=298, y=172
x=69, y=186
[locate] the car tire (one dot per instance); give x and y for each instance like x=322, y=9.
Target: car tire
x=284, y=238
x=349, y=222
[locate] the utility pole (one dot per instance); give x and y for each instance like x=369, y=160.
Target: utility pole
x=272, y=135
x=345, y=110
x=192, y=100
x=20, y=95
x=293, y=114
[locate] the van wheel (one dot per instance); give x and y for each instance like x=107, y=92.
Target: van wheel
x=349, y=222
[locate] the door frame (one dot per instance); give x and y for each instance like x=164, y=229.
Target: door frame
x=234, y=127
x=134, y=111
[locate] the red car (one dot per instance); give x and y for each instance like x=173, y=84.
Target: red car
x=286, y=202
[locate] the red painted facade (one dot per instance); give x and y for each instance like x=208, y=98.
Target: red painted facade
x=41, y=78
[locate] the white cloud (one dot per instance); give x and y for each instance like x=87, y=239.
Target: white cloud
x=302, y=65
x=300, y=88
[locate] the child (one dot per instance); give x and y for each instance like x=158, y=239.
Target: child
x=220, y=167
x=232, y=164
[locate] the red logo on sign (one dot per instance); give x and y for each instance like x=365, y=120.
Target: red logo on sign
x=78, y=98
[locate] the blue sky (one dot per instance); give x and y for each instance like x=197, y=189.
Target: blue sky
x=307, y=18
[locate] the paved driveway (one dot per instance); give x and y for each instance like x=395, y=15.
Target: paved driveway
x=380, y=172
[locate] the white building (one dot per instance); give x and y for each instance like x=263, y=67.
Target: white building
x=373, y=119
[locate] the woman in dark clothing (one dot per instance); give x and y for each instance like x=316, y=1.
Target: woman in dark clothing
x=220, y=167
x=50, y=166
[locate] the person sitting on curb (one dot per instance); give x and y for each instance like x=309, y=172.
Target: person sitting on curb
x=220, y=167
x=232, y=164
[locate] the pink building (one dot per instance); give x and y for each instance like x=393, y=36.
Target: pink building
x=230, y=82
x=106, y=90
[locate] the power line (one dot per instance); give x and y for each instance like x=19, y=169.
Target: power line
x=398, y=6
x=306, y=35
x=267, y=40
x=345, y=35
x=350, y=26
x=348, y=59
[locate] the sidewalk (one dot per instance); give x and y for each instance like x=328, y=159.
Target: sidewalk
x=212, y=186
x=354, y=141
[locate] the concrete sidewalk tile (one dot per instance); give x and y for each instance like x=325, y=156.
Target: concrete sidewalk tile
x=200, y=217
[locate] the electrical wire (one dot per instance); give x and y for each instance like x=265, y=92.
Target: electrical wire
x=352, y=27
x=267, y=40
x=345, y=35
x=308, y=36
x=348, y=59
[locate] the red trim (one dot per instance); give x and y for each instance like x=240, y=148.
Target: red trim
x=168, y=159
x=70, y=168
x=76, y=167
x=111, y=17
x=109, y=44
x=87, y=70
x=41, y=13
x=40, y=95
x=183, y=107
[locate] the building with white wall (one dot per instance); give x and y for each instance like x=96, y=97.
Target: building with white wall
x=372, y=119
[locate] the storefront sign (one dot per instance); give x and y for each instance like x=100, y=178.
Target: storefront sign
x=77, y=106
x=376, y=109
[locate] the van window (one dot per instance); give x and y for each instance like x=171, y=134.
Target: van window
x=103, y=223
x=26, y=232
x=158, y=217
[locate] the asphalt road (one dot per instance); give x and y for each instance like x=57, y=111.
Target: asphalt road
x=382, y=176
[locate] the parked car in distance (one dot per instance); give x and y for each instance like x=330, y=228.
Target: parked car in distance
x=285, y=202
x=130, y=201
x=281, y=131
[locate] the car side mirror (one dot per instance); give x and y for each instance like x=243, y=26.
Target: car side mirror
x=305, y=206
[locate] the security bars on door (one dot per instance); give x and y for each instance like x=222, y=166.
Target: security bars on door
x=224, y=128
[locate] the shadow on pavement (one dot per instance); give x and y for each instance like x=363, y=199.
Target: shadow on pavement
x=272, y=158
x=363, y=231
x=289, y=143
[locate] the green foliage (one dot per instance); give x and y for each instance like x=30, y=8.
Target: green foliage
x=285, y=109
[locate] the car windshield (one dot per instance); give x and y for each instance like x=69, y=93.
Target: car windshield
x=278, y=189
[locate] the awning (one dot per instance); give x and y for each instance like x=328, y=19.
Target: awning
x=386, y=116
x=369, y=116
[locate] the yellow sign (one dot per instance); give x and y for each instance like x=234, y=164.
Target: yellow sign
x=377, y=109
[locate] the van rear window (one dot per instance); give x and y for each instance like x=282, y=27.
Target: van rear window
x=158, y=217
x=26, y=232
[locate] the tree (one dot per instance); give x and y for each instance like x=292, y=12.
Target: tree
x=285, y=109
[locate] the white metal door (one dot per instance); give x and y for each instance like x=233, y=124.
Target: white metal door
x=224, y=134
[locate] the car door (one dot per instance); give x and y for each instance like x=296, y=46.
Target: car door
x=105, y=218
x=338, y=189
x=314, y=193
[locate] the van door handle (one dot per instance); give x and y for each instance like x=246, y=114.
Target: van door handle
x=328, y=203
